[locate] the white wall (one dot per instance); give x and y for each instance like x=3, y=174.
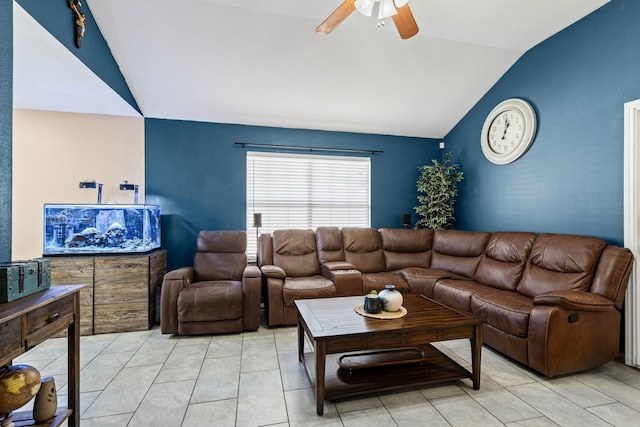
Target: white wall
x=53, y=152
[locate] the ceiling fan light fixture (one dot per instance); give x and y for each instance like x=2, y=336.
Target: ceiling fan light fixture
x=400, y=3
x=365, y=7
x=386, y=9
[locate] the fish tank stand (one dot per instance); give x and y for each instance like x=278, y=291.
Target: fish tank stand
x=119, y=295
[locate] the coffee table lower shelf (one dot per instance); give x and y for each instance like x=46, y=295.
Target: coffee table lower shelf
x=436, y=367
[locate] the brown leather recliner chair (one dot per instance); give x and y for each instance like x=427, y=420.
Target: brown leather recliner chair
x=219, y=294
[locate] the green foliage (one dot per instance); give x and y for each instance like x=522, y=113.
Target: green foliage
x=437, y=193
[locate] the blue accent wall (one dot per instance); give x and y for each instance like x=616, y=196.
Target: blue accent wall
x=571, y=178
x=197, y=174
x=59, y=20
x=6, y=124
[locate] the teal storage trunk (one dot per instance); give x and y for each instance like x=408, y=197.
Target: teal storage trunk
x=19, y=279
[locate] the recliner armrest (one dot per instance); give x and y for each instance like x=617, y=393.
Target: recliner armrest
x=251, y=271
x=337, y=265
x=172, y=284
x=574, y=300
x=184, y=274
x=273, y=271
x=347, y=279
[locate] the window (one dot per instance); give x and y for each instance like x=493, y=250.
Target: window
x=306, y=191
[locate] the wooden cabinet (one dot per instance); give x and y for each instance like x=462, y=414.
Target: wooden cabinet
x=120, y=289
x=26, y=322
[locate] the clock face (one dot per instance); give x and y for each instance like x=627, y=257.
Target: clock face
x=508, y=131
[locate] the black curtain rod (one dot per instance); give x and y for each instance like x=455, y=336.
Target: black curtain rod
x=299, y=147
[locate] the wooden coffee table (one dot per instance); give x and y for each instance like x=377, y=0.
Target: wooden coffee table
x=354, y=354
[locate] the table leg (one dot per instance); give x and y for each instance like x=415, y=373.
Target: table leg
x=321, y=358
x=476, y=355
x=300, y=341
x=73, y=364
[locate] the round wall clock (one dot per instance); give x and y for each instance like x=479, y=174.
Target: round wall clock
x=508, y=131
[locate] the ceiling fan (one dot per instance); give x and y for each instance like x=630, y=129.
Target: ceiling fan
x=396, y=9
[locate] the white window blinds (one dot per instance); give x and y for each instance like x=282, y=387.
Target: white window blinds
x=306, y=191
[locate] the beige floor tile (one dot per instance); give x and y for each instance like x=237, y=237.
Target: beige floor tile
x=224, y=346
x=153, y=410
x=124, y=393
x=617, y=414
x=152, y=352
x=221, y=413
x=464, y=411
x=358, y=403
x=578, y=392
x=219, y=379
x=108, y=421
x=261, y=399
x=294, y=376
x=505, y=406
x=101, y=370
x=183, y=363
x=125, y=342
x=301, y=410
x=187, y=340
x=377, y=417
x=621, y=392
x=621, y=372
x=533, y=422
x=557, y=408
x=259, y=355
x=410, y=408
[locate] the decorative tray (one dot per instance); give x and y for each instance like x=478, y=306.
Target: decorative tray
x=383, y=314
x=374, y=359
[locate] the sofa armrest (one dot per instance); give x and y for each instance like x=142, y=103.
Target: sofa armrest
x=337, y=265
x=574, y=300
x=273, y=271
x=251, y=271
x=251, y=286
x=172, y=284
x=348, y=280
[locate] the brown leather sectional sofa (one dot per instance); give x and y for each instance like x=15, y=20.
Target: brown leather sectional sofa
x=550, y=301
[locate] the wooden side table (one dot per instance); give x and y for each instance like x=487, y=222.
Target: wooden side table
x=27, y=322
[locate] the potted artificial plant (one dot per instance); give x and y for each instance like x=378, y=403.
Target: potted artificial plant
x=437, y=193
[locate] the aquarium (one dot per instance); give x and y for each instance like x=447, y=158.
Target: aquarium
x=100, y=229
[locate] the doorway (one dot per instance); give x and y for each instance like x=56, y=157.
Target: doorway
x=632, y=228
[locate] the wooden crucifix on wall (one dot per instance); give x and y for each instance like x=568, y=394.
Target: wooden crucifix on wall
x=80, y=20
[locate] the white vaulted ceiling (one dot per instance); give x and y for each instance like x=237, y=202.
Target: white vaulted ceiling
x=259, y=62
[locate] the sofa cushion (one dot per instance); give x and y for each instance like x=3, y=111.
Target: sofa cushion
x=329, y=241
x=363, y=249
x=504, y=259
x=506, y=310
x=457, y=292
x=406, y=248
x=307, y=287
x=560, y=263
x=377, y=282
x=210, y=301
x=457, y=251
x=295, y=252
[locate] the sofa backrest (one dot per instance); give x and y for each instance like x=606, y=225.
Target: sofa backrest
x=294, y=250
x=363, y=249
x=329, y=241
x=560, y=262
x=458, y=251
x=504, y=259
x=612, y=274
x=220, y=255
x=406, y=248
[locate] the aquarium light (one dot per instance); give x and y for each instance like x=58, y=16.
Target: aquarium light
x=93, y=184
x=131, y=187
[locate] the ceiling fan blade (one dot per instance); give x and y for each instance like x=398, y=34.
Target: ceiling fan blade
x=405, y=23
x=339, y=15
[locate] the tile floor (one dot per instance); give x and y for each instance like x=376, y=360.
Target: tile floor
x=254, y=379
